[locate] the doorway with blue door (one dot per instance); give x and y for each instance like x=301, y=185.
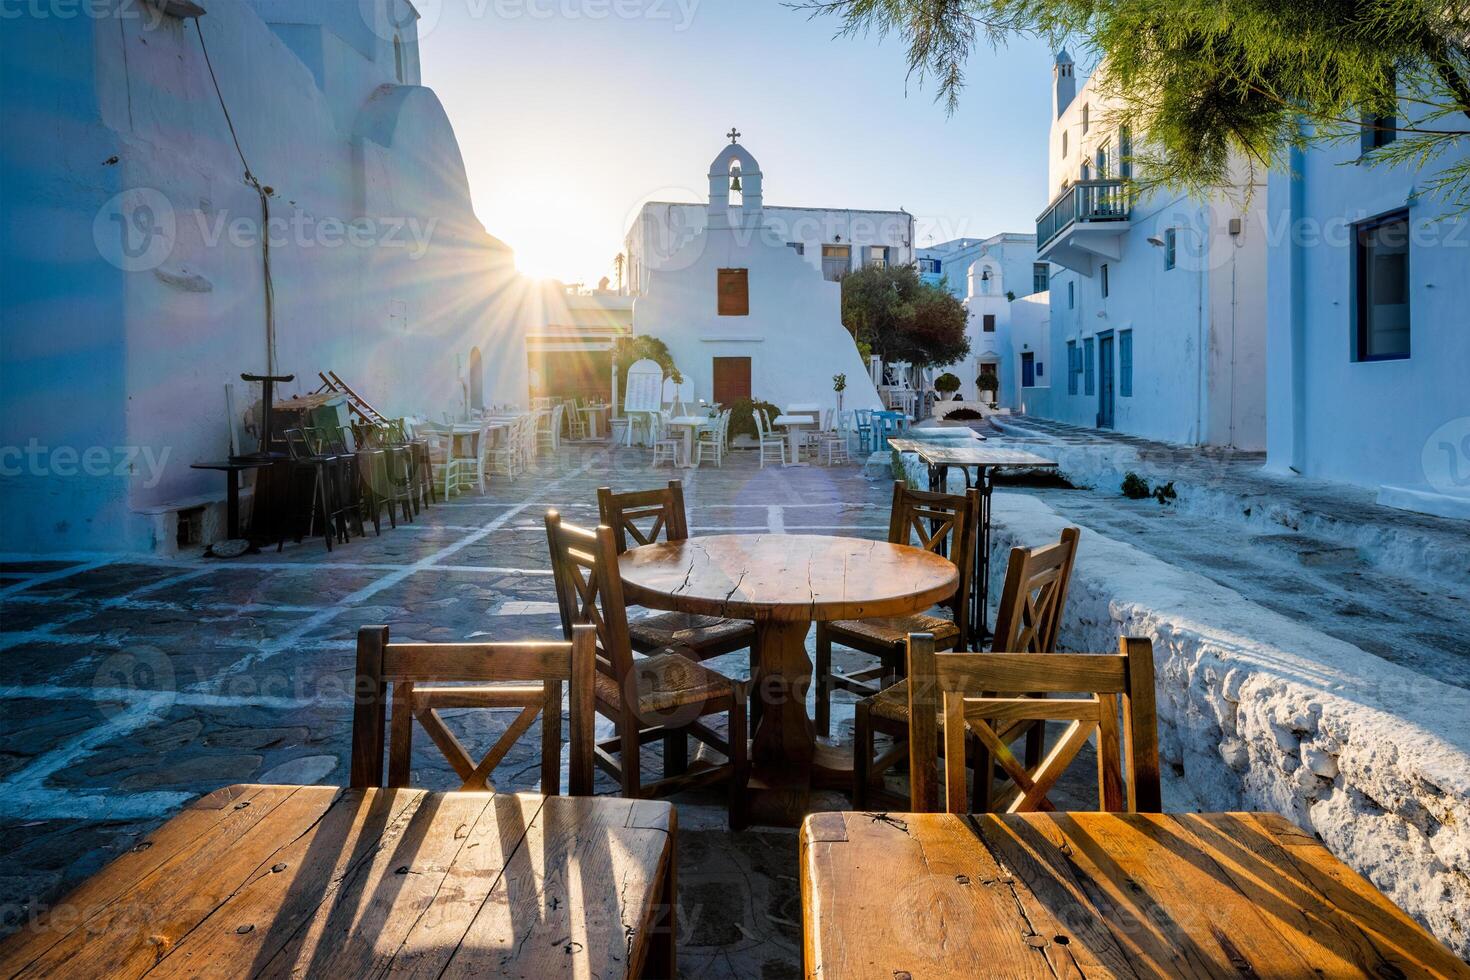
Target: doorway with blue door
x=1106, y=383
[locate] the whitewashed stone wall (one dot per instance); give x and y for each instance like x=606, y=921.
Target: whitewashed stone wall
x=1260, y=712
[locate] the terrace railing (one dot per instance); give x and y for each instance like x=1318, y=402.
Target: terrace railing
x=1085, y=200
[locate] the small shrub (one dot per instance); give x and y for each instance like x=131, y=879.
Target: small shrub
x=1135, y=487
x=742, y=417
x=899, y=473
x=947, y=383
x=1165, y=493
x=963, y=415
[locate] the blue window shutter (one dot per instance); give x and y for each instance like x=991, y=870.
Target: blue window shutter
x=1089, y=370
x=1125, y=364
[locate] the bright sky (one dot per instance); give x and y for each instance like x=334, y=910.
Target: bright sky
x=569, y=121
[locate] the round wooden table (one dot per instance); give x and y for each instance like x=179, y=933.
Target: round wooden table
x=784, y=583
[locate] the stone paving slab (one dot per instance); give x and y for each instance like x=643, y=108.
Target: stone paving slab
x=138, y=685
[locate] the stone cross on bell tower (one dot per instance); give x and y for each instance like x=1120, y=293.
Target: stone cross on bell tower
x=734, y=135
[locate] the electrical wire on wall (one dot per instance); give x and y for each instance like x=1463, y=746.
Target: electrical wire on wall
x=265, y=214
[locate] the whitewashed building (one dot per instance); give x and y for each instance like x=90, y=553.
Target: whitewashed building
x=834, y=241
x=1369, y=340
x=1015, y=252
x=1157, y=304
x=987, y=274
x=134, y=247
x=743, y=314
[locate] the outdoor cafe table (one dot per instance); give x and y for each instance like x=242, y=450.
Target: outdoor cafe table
x=785, y=582
x=331, y=882
x=939, y=457
x=938, y=896
x=690, y=424
x=595, y=416
x=794, y=425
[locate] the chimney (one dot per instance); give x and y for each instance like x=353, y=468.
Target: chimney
x=1064, y=83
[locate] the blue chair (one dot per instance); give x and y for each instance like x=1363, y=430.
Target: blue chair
x=863, y=420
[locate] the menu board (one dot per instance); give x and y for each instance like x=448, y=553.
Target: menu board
x=645, y=387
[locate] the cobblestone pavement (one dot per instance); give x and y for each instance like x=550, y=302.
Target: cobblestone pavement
x=134, y=685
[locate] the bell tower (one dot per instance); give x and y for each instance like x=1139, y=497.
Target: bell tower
x=735, y=169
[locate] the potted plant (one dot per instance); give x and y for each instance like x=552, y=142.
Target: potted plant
x=947, y=384
x=988, y=383
x=839, y=385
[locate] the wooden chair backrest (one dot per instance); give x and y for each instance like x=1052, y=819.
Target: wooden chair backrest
x=528, y=676
x=951, y=684
x=1035, y=593
x=643, y=514
x=589, y=589
x=935, y=521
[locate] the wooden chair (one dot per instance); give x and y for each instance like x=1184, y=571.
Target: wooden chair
x=1029, y=618
x=645, y=517
x=661, y=696
x=939, y=522
x=956, y=696
x=528, y=676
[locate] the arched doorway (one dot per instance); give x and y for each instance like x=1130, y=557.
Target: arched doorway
x=477, y=379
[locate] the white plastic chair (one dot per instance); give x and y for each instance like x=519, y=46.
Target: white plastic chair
x=768, y=439
x=665, y=446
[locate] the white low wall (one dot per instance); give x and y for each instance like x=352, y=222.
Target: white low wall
x=1259, y=712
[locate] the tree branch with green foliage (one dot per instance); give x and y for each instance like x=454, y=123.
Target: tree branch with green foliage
x=1207, y=83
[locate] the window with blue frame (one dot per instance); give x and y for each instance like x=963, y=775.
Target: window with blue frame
x=1089, y=369
x=1074, y=365
x=1071, y=295
x=1171, y=247
x=1125, y=363
x=1040, y=277
x=1125, y=153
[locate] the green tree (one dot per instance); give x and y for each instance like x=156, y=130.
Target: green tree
x=629, y=350
x=903, y=318
x=1204, y=79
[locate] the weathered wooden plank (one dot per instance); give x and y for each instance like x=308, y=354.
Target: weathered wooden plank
x=915, y=894
x=1334, y=904
x=573, y=900
x=226, y=812
x=146, y=925
x=358, y=932
x=1167, y=902
x=488, y=846
x=1099, y=894
x=310, y=861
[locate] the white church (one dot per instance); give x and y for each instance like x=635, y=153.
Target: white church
x=745, y=315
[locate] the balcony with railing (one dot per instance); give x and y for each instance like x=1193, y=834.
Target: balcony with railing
x=1088, y=218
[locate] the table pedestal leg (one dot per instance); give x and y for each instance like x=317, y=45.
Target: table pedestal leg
x=784, y=738
x=232, y=504
x=786, y=760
